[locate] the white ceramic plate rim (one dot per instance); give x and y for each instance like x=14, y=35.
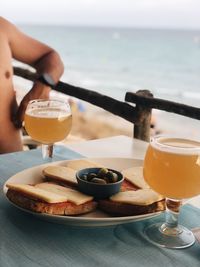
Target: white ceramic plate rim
x=32, y=175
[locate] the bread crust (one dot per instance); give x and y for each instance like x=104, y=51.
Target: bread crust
x=63, y=208
x=123, y=209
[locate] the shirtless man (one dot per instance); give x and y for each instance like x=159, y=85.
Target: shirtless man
x=17, y=45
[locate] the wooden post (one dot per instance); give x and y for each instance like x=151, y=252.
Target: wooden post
x=142, y=125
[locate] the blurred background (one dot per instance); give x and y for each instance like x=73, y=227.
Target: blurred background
x=115, y=46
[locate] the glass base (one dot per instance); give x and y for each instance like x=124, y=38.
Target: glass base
x=177, y=238
x=47, y=151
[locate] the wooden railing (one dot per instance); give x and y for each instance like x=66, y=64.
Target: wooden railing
x=139, y=114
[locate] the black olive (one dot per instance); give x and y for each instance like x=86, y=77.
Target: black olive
x=98, y=181
x=91, y=175
x=102, y=172
x=112, y=176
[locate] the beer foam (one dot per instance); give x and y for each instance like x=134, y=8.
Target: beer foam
x=48, y=113
x=176, y=145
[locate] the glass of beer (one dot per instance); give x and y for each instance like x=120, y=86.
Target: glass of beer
x=48, y=121
x=172, y=168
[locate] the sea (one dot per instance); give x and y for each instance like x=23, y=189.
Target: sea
x=113, y=61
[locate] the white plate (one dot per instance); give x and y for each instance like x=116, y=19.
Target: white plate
x=96, y=218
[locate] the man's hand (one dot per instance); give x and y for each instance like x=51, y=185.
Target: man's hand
x=38, y=91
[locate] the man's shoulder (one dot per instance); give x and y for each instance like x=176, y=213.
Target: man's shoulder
x=6, y=28
x=4, y=24
x=3, y=21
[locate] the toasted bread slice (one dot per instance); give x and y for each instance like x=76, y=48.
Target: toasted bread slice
x=51, y=199
x=82, y=164
x=133, y=203
x=38, y=193
x=134, y=175
x=62, y=175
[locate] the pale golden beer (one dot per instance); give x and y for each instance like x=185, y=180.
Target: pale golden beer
x=48, y=126
x=48, y=121
x=172, y=167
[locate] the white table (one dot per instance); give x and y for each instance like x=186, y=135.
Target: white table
x=117, y=146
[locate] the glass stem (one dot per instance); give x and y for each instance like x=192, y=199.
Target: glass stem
x=170, y=227
x=47, y=151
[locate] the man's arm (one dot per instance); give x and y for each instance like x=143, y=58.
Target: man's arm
x=30, y=51
x=40, y=56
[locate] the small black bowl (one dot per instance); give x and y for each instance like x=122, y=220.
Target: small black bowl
x=98, y=191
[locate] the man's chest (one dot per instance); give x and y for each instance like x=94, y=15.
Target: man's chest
x=5, y=59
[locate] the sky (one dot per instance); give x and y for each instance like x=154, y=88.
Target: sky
x=184, y=14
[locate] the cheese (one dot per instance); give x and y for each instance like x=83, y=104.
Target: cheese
x=38, y=193
x=141, y=197
x=135, y=176
x=82, y=164
x=61, y=173
x=73, y=196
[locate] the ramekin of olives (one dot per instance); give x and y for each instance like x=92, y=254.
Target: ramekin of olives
x=99, y=182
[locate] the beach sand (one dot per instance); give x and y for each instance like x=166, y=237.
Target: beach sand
x=96, y=123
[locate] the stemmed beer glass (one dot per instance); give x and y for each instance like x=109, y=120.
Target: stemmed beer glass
x=48, y=121
x=172, y=168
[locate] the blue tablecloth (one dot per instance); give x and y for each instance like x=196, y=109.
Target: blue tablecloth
x=28, y=241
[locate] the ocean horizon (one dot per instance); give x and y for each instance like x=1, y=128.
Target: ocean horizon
x=113, y=61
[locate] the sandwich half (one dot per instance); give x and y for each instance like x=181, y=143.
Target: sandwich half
x=50, y=198
x=134, y=202
x=62, y=175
